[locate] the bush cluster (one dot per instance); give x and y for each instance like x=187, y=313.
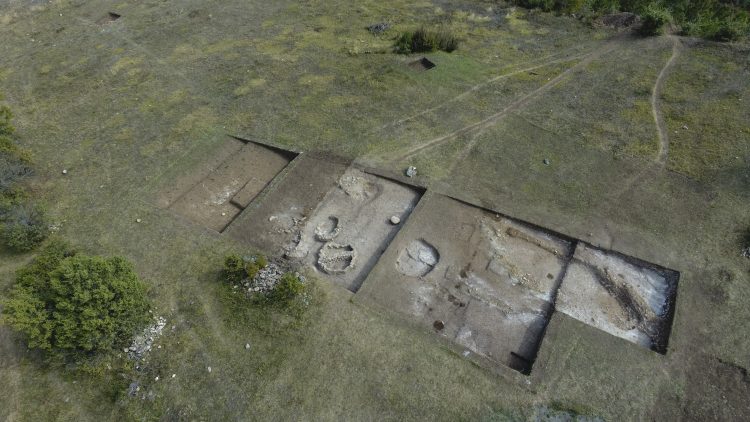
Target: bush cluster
x=237, y=268
x=654, y=19
x=288, y=288
x=722, y=20
x=23, y=226
x=70, y=305
x=423, y=41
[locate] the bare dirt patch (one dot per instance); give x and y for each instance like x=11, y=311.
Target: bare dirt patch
x=615, y=294
x=273, y=223
x=335, y=219
x=230, y=181
x=490, y=284
x=351, y=227
x=483, y=281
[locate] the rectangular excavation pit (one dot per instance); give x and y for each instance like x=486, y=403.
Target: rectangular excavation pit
x=109, y=17
x=422, y=64
x=352, y=226
x=620, y=295
x=330, y=217
x=489, y=284
x=214, y=194
x=484, y=282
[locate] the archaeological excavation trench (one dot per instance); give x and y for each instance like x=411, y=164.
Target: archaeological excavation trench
x=485, y=283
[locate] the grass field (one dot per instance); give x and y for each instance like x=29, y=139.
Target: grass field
x=127, y=106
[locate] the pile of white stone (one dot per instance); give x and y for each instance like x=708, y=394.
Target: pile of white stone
x=265, y=280
x=142, y=343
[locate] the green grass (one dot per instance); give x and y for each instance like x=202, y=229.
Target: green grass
x=128, y=106
x=706, y=116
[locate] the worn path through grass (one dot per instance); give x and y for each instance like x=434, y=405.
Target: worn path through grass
x=518, y=104
x=655, y=106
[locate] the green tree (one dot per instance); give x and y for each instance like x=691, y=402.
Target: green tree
x=655, y=19
x=24, y=227
x=72, y=305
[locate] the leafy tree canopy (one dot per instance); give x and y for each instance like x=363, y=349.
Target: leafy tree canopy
x=71, y=305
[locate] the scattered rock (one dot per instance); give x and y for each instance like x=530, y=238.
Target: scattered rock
x=411, y=171
x=138, y=220
x=174, y=375
x=395, y=220
x=133, y=388
x=746, y=252
x=143, y=342
x=357, y=187
x=265, y=280
x=65, y=171
x=684, y=127
x=336, y=259
x=379, y=28
x=328, y=230
x=247, y=346
x=438, y=325
x=546, y=161
x=209, y=369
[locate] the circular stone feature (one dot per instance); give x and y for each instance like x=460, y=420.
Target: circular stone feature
x=418, y=259
x=336, y=259
x=328, y=230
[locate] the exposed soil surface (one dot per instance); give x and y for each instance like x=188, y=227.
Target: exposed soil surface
x=608, y=292
x=490, y=283
x=356, y=215
x=228, y=188
x=485, y=280
x=274, y=222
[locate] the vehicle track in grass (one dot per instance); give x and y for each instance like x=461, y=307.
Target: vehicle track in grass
x=661, y=127
x=516, y=105
x=553, y=59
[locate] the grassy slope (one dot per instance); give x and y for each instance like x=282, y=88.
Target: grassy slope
x=126, y=105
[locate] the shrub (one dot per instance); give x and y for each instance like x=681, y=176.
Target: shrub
x=423, y=41
x=654, y=19
x=234, y=268
x=24, y=227
x=546, y=5
x=745, y=243
x=12, y=171
x=71, y=305
x=287, y=289
x=5, y=117
x=729, y=28
x=237, y=268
